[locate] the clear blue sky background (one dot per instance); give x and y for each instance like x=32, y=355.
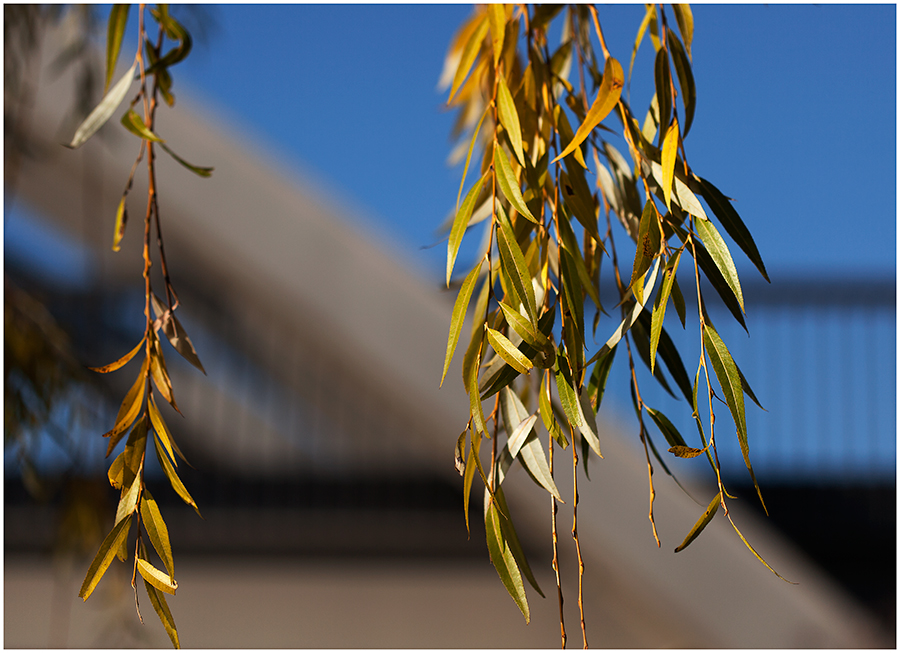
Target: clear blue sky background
x=796, y=115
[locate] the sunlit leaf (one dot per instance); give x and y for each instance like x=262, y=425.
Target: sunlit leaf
x=118, y=18
x=504, y=561
x=721, y=256
x=730, y=381
x=135, y=124
x=508, y=351
x=705, y=518
x=659, y=307
x=458, y=315
x=475, y=407
x=512, y=540
x=104, y=110
x=460, y=223
x=157, y=531
x=524, y=328
x=469, y=477
x=177, y=485
x=524, y=443
x=509, y=117
x=121, y=220
x=682, y=195
x=155, y=577
x=129, y=409
x=116, y=471
x=112, y=367
x=753, y=551
x=669, y=152
x=512, y=259
x=497, y=19
x=506, y=179
x=158, y=601
x=470, y=51
x=685, y=19
x=686, y=452
x=197, y=170
x=547, y=416
x=162, y=431
x=648, y=245
x=104, y=557
x=160, y=374
x=607, y=97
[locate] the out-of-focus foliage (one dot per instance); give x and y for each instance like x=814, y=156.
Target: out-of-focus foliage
x=558, y=153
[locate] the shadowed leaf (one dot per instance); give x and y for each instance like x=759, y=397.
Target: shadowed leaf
x=118, y=18
x=112, y=367
x=104, y=110
x=158, y=601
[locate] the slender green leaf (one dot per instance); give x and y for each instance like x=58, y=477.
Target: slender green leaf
x=547, y=415
x=469, y=477
x=721, y=256
x=504, y=561
x=460, y=224
x=567, y=395
x=118, y=18
x=659, y=307
x=197, y=170
x=135, y=124
x=509, y=118
x=753, y=551
x=732, y=222
x=509, y=186
x=470, y=51
x=685, y=79
x=705, y=518
x=669, y=153
x=730, y=381
x=458, y=315
x=648, y=245
x=671, y=434
x=607, y=97
x=157, y=531
x=158, y=601
x=475, y=407
x=682, y=194
x=512, y=260
x=524, y=328
x=103, y=111
x=111, y=543
x=512, y=540
x=599, y=376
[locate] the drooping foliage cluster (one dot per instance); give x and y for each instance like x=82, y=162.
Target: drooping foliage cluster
x=139, y=417
x=554, y=153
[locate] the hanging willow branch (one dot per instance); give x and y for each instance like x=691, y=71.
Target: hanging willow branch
x=537, y=113
x=139, y=411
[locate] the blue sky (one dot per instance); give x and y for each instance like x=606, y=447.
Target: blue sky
x=796, y=115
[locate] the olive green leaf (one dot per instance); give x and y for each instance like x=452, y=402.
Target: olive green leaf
x=158, y=601
x=524, y=328
x=118, y=18
x=663, y=80
x=669, y=153
x=730, y=381
x=705, y=518
x=721, y=256
x=685, y=19
x=732, y=222
x=121, y=220
x=111, y=543
x=659, y=307
x=607, y=97
x=508, y=351
x=600, y=374
x=155, y=577
x=512, y=540
x=509, y=118
x=470, y=51
x=103, y=111
x=197, y=170
x=512, y=260
x=673, y=437
x=504, y=561
x=157, y=531
x=174, y=31
x=685, y=79
x=686, y=452
x=523, y=441
x=469, y=477
x=475, y=408
x=135, y=124
x=460, y=223
x=753, y=551
x=648, y=246
x=509, y=186
x=547, y=416
x=112, y=367
x=458, y=315
x=177, y=485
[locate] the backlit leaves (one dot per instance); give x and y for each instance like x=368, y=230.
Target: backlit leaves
x=103, y=112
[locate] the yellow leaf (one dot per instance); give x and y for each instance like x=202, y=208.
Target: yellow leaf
x=508, y=351
x=669, y=154
x=470, y=51
x=112, y=367
x=607, y=97
x=155, y=577
x=102, y=560
x=129, y=409
x=497, y=18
